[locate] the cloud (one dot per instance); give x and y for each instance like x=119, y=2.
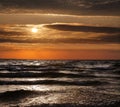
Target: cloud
x=78, y=7
x=60, y=33
x=7, y=33
x=107, y=39
x=82, y=28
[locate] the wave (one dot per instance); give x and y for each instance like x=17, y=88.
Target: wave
x=76, y=105
x=17, y=95
x=61, y=74
x=54, y=82
x=43, y=74
x=38, y=65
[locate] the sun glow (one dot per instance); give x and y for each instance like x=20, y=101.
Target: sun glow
x=34, y=30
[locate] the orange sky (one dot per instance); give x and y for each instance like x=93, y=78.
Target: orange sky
x=84, y=37
x=84, y=54
x=60, y=29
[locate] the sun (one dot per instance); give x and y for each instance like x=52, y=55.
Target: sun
x=34, y=30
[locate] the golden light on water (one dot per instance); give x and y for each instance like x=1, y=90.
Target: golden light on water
x=34, y=30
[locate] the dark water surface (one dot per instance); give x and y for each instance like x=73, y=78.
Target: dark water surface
x=59, y=83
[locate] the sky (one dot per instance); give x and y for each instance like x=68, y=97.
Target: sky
x=60, y=29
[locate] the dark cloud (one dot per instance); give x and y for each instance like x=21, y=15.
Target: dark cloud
x=114, y=39
x=15, y=40
x=79, y=7
x=106, y=39
x=7, y=33
x=107, y=8
x=81, y=28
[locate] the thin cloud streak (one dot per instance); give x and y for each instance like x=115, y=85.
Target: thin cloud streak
x=82, y=28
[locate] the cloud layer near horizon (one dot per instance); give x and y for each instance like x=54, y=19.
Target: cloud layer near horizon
x=60, y=33
x=77, y=7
